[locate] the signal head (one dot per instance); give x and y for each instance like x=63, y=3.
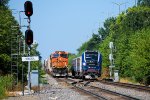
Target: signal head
x=29, y=37
x=28, y=8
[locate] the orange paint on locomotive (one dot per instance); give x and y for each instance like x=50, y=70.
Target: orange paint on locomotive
x=59, y=59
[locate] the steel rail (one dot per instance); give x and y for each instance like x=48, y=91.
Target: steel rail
x=127, y=85
x=90, y=93
x=115, y=93
x=74, y=83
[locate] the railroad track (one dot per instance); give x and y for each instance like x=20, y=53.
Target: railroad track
x=96, y=92
x=104, y=93
x=127, y=85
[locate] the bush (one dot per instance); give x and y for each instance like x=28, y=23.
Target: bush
x=2, y=91
x=5, y=85
x=146, y=80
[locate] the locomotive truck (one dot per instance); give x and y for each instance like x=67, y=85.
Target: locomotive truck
x=88, y=65
x=58, y=64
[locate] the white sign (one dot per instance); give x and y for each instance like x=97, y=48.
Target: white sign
x=33, y=58
x=111, y=66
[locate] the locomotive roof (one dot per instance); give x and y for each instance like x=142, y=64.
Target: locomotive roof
x=60, y=52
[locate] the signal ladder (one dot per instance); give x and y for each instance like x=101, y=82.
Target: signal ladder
x=16, y=47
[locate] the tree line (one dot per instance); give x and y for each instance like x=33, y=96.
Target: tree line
x=130, y=33
x=7, y=21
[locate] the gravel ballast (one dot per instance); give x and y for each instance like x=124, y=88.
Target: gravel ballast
x=60, y=91
x=130, y=92
x=53, y=91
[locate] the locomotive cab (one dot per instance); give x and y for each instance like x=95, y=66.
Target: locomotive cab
x=88, y=65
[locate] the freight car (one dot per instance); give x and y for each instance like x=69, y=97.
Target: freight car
x=88, y=65
x=47, y=65
x=58, y=64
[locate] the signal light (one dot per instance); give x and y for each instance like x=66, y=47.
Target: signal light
x=28, y=8
x=29, y=37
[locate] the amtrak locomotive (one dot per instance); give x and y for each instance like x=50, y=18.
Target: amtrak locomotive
x=88, y=65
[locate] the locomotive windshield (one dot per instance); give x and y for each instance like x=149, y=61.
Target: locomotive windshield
x=55, y=55
x=91, y=56
x=64, y=55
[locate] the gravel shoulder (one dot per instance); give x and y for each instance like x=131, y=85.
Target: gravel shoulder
x=53, y=91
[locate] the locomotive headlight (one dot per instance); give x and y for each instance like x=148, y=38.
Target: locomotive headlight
x=84, y=64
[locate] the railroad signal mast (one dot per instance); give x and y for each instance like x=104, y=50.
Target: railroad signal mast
x=111, y=58
x=28, y=36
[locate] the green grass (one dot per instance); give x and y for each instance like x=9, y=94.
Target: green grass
x=5, y=85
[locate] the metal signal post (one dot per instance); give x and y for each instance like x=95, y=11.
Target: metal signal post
x=28, y=37
x=29, y=72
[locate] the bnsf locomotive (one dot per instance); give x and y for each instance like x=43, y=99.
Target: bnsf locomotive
x=57, y=64
x=88, y=65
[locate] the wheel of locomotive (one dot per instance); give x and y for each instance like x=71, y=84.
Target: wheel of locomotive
x=54, y=76
x=66, y=76
x=73, y=72
x=99, y=73
x=83, y=77
x=66, y=72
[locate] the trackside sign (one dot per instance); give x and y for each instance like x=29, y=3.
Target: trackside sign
x=33, y=58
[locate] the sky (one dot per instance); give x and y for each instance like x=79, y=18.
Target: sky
x=64, y=25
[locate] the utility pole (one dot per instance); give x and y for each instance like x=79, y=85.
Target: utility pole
x=119, y=4
x=135, y=3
